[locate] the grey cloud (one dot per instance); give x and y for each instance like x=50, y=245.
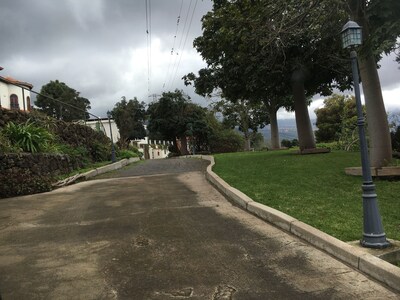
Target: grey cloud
x=88, y=43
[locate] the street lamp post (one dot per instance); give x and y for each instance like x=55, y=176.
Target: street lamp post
x=373, y=233
x=111, y=136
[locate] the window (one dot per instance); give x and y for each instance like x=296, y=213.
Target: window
x=14, y=102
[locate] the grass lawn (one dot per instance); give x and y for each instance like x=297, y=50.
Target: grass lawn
x=311, y=188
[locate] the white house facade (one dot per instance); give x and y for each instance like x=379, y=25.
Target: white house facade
x=15, y=97
x=104, y=126
x=150, y=149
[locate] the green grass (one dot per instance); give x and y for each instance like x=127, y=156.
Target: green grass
x=311, y=188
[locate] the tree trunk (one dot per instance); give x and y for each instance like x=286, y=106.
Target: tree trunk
x=303, y=124
x=246, y=141
x=378, y=128
x=275, y=143
x=182, y=145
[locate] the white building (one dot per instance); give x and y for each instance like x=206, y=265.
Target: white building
x=104, y=126
x=15, y=97
x=150, y=149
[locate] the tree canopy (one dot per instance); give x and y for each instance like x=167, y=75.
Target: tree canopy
x=255, y=49
x=68, y=104
x=129, y=117
x=336, y=119
x=174, y=117
x=380, y=24
x=246, y=115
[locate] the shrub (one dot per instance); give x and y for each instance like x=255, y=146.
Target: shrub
x=28, y=137
x=23, y=183
x=226, y=140
x=126, y=154
x=286, y=143
x=395, y=136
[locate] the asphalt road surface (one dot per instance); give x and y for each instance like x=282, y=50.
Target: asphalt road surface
x=158, y=230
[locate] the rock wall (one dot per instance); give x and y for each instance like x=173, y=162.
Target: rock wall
x=26, y=173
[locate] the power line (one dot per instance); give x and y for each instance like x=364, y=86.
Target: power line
x=148, y=38
x=184, y=44
x=173, y=45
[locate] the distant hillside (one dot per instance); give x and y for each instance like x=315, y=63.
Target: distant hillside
x=287, y=129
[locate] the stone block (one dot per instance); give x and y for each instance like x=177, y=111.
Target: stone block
x=271, y=215
x=380, y=270
x=329, y=244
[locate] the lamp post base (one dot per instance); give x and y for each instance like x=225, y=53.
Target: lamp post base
x=376, y=242
x=373, y=234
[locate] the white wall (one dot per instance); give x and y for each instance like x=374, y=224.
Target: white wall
x=105, y=127
x=8, y=89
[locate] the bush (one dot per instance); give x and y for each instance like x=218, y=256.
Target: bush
x=23, y=183
x=226, y=140
x=126, y=154
x=286, y=143
x=78, y=153
x=28, y=137
x=395, y=136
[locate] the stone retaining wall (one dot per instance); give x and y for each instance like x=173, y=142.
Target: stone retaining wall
x=25, y=173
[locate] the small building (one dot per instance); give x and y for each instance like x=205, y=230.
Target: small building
x=103, y=125
x=15, y=97
x=150, y=149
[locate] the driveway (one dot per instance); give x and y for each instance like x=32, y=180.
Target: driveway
x=159, y=230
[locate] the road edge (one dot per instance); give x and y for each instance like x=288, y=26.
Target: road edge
x=366, y=263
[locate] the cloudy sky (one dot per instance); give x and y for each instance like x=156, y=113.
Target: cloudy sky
x=101, y=48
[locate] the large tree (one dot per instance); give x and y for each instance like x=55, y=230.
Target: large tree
x=59, y=101
x=174, y=117
x=129, y=117
x=380, y=23
x=255, y=49
x=247, y=116
x=336, y=119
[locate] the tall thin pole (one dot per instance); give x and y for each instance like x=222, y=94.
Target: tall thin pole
x=112, y=141
x=373, y=233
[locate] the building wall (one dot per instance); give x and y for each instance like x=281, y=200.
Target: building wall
x=6, y=90
x=160, y=149
x=103, y=126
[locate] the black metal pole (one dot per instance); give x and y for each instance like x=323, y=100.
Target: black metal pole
x=373, y=233
x=112, y=141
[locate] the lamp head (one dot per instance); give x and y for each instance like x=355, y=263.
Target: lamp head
x=351, y=34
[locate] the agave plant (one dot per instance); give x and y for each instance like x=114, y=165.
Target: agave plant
x=28, y=136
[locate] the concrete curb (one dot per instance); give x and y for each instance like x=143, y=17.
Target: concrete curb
x=92, y=173
x=366, y=263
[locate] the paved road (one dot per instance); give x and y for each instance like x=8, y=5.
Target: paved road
x=159, y=237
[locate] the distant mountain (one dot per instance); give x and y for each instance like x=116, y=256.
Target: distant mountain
x=287, y=129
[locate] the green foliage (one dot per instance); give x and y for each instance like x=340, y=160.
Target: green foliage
x=126, y=154
x=332, y=145
x=394, y=123
x=311, y=188
x=67, y=104
x=28, y=137
x=222, y=139
x=337, y=122
x=395, y=136
x=248, y=116
x=99, y=151
x=23, y=183
x=257, y=141
x=289, y=143
x=226, y=140
x=129, y=117
x=173, y=117
x=5, y=144
x=79, y=153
